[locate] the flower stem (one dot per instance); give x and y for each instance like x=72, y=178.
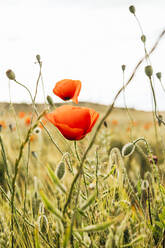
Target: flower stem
x=109, y=110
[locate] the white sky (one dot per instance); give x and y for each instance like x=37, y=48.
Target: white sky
x=87, y=40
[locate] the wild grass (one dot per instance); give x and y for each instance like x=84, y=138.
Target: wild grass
x=107, y=190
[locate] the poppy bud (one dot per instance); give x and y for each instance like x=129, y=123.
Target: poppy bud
x=159, y=75
x=148, y=70
x=60, y=170
x=10, y=74
x=132, y=9
x=128, y=149
x=143, y=38
x=38, y=57
x=50, y=101
x=145, y=185
x=123, y=67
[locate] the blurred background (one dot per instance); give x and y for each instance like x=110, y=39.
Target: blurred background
x=87, y=40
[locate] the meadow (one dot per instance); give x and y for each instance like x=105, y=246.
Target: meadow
x=80, y=174
x=121, y=200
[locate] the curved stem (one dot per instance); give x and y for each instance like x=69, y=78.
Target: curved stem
x=109, y=110
x=37, y=82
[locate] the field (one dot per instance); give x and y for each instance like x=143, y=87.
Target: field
x=118, y=199
x=79, y=174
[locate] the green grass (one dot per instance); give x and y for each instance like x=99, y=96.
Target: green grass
x=113, y=210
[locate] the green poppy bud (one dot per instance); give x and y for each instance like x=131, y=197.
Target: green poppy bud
x=128, y=149
x=148, y=70
x=50, y=101
x=143, y=38
x=60, y=170
x=38, y=57
x=132, y=9
x=159, y=75
x=10, y=74
x=123, y=67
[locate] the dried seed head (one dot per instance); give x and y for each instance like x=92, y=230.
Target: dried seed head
x=128, y=149
x=123, y=67
x=132, y=9
x=143, y=38
x=43, y=224
x=145, y=185
x=60, y=170
x=159, y=75
x=50, y=101
x=148, y=70
x=10, y=74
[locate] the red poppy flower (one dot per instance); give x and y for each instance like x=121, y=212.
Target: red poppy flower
x=21, y=115
x=68, y=89
x=73, y=122
x=114, y=122
x=3, y=124
x=27, y=121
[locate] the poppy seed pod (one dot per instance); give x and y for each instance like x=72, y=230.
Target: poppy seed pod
x=68, y=89
x=132, y=9
x=73, y=122
x=159, y=75
x=148, y=70
x=10, y=74
x=128, y=149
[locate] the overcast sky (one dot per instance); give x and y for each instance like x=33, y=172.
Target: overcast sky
x=87, y=40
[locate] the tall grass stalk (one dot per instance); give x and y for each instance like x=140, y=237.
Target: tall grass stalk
x=109, y=110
